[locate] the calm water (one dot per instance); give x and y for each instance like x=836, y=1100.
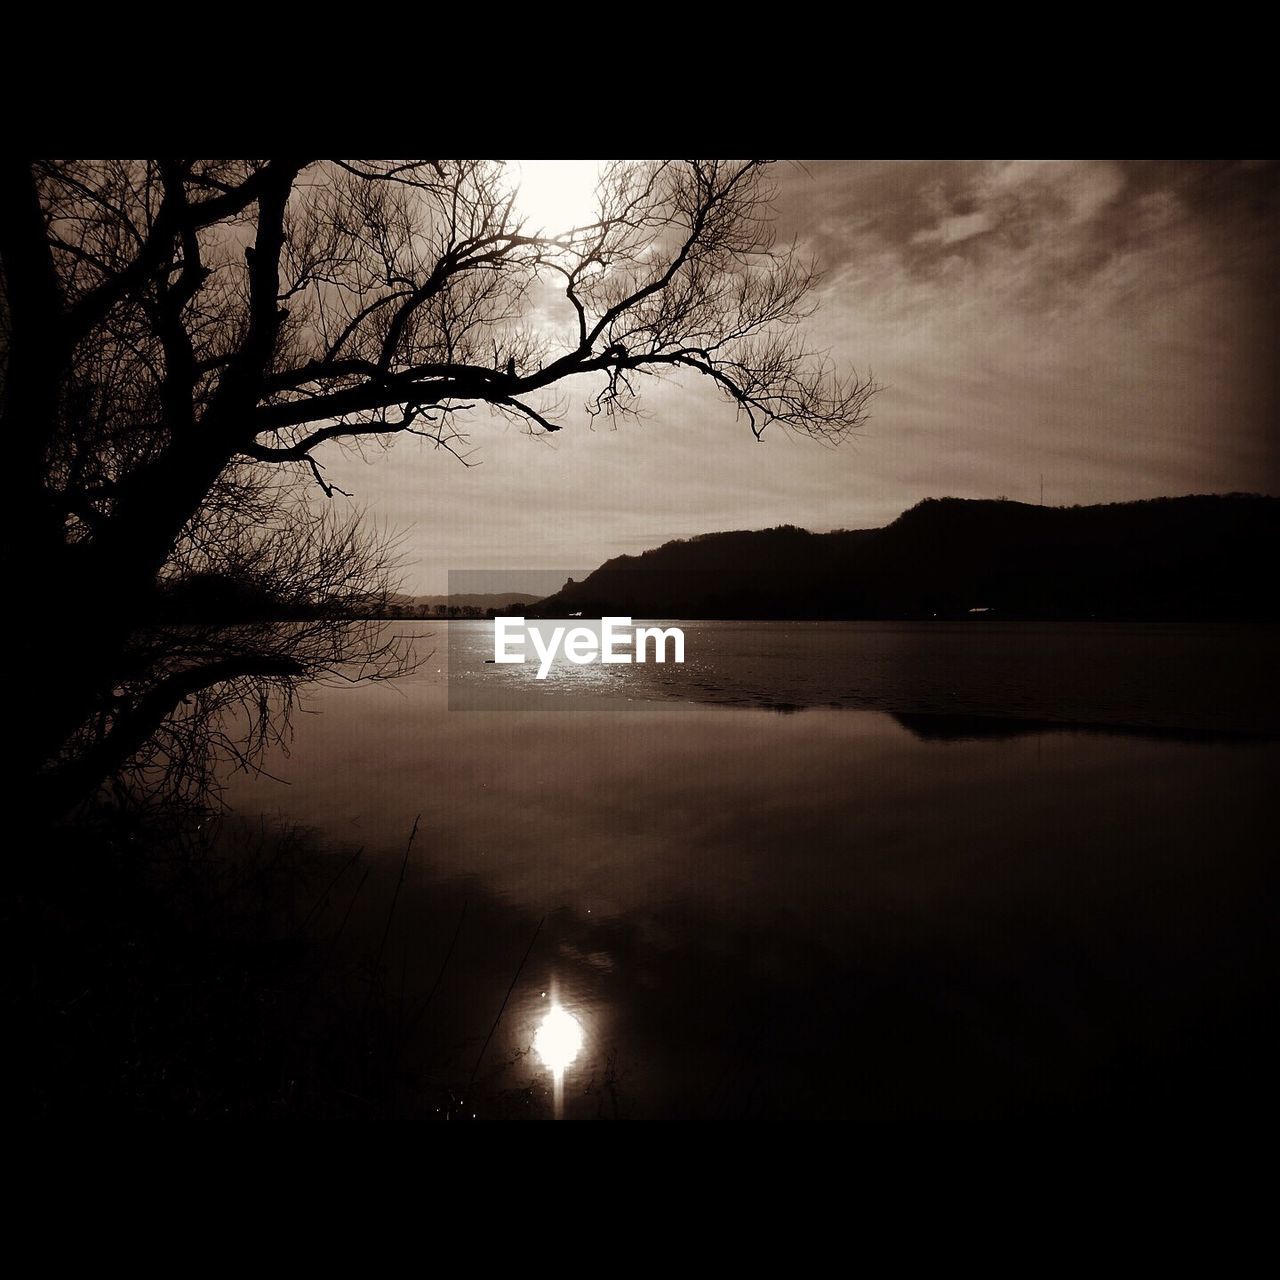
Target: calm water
x=876, y=871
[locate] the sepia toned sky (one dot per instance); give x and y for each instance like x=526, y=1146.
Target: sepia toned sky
x=1109, y=325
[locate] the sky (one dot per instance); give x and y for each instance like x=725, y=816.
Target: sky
x=1110, y=326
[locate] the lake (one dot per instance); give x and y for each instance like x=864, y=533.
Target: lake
x=868, y=871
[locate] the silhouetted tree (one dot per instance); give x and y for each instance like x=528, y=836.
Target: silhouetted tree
x=183, y=336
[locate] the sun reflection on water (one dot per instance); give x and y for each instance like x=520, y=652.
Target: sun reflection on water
x=559, y=1039
x=557, y=1042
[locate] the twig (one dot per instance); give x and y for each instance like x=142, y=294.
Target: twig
x=448, y=955
x=333, y=884
x=386, y=930
x=484, y=1047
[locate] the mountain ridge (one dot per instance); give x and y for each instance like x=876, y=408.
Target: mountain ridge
x=1174, y=558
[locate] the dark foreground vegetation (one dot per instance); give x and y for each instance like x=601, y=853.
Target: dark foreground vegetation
x=209, y=968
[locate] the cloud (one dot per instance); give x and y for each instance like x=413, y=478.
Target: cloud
x=952, y=230
x=1110, y=325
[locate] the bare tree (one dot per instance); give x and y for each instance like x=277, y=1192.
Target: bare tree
x=178, y=331
x=262, y=593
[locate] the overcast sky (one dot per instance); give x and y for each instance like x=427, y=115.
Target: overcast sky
x=1111, y=325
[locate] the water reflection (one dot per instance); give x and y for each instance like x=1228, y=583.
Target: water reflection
x=557, y=1043
x=838, y=912
x=965, y=728
x=1211, y=679
x=559, y=1039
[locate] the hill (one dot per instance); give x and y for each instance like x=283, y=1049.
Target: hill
x=1185, y=558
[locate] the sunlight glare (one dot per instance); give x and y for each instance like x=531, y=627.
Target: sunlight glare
x=556, y=195
x=559, y=1039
